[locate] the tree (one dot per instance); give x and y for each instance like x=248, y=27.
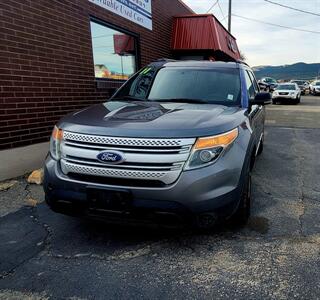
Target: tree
x=243, y=56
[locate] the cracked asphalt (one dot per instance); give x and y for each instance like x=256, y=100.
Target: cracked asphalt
x=44, y=255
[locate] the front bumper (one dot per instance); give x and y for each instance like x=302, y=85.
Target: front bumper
x=209, y=192
x=284, y=97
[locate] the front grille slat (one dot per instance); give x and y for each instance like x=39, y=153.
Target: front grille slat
x=138, y=142
x=154, y=160
x=99, y=147
x=155, y=167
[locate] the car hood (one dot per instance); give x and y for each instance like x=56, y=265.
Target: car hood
x=154, y=119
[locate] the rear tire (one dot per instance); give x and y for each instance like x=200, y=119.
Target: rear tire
x=242, y=214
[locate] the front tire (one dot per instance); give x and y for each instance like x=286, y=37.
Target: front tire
x=260, y=149
x=242, y=214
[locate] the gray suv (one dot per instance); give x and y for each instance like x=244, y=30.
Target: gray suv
x=175, y=144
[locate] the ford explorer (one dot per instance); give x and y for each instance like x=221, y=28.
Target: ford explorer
x=175, y=144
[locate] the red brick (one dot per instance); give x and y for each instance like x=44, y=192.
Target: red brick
x=46, y=61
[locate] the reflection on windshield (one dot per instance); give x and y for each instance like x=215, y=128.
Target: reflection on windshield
x=189, y=85
x=207, y=85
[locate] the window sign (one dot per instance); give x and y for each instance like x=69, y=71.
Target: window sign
x=137, y=11
x=114, y=53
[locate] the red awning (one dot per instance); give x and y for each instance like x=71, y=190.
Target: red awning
x=123, y=44
x=203, y=32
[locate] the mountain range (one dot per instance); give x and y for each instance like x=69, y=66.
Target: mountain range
x=286, y=72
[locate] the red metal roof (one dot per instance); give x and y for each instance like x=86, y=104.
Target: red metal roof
x=203, y=32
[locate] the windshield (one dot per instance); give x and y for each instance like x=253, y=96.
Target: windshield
x=290, y=87
x=317, y=83
x=216, y=86
x=298, y=82
x=270, y=80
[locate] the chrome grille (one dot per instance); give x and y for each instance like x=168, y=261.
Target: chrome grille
x=146, y=159
x=119, y=141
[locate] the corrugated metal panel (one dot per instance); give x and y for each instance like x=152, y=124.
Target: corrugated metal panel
x=203, y=32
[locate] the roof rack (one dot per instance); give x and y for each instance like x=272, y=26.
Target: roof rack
x=161, y=62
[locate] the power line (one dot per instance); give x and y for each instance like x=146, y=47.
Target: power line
x=293, y=8
x=221, y=10
x=212, y=6
x=224, y=18
x=277, y=25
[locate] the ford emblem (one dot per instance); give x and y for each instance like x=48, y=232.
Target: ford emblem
x=111, y=157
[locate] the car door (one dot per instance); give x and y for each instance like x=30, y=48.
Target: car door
x=256, y=113
x=298, y=90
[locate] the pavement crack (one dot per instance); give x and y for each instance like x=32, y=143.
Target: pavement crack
x=45, y=226
x=13, y=270
x=46, y=241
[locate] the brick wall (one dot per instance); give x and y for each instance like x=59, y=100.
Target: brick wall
x=46, y=64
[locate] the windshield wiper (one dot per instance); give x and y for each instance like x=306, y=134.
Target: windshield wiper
x=185, y=100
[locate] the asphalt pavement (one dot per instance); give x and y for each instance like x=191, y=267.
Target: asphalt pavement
x=44, y=255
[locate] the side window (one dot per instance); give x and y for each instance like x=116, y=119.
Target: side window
x=138, y=85
x=250, y=86
x=253, y=79
x=142, y=83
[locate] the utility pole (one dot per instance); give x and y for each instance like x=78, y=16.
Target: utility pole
x=229, y=16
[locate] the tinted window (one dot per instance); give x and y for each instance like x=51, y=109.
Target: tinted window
x=211, y=85
x=253, y=79
x=250, y=87
x=113, y=52
x=270, y=80
x=138, y=86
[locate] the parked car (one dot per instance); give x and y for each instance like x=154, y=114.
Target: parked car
x=177, y=142
x=303, y=85
x=287, y=92
x=315, y=87
x=267, y=84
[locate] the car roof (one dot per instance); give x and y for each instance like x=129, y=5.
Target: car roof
x=197, y=64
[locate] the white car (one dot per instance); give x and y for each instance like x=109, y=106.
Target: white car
x=315, y=87
x=287, y=92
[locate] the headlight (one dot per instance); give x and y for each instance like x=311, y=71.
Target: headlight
x=55, y=141
x=207, y=150
x=292, y=93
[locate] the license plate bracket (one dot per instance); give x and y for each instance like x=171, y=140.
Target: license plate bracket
x=109, y=199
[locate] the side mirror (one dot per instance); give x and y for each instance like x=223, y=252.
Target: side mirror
x=261, y=99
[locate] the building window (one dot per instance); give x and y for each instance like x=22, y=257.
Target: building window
x=114, y=52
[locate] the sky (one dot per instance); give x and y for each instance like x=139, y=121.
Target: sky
x=264, y=44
